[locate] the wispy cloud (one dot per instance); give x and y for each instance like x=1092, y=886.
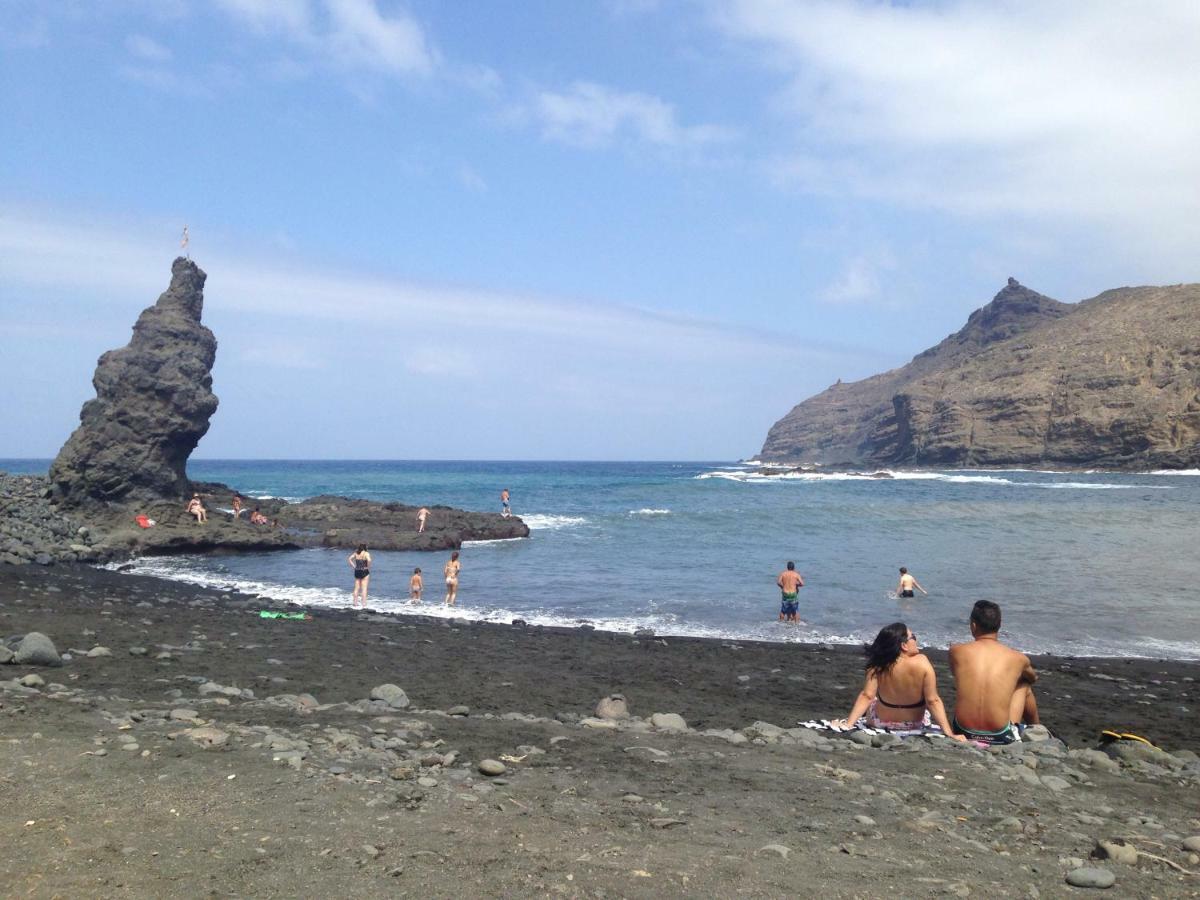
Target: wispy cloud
x=1083, y=112
x=350, y=34
x=863, y=280
x=48, y=251
x=147, y=49
x=592, y=115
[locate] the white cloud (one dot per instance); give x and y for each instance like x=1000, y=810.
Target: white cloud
x=863, y=280
x=362, y=35
x=1081, y=112
x=290, y=17
x=351, y=34
x=592, y=115
x=147, y=49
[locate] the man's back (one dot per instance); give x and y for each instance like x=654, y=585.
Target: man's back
x=986, y=674
x=790, y=581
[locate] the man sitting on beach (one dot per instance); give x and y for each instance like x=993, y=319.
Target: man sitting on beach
x=993, y=683
x=790, y=582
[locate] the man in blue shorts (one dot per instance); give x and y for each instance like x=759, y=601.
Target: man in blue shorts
x=790, y=582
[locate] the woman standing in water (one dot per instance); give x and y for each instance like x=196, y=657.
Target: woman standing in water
x=360, y=561
x=451, y=572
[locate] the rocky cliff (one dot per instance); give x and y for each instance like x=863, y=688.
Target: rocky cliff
x=1113, y=382
x=153, y=403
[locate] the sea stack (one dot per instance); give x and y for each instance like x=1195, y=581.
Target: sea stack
x=153, y=403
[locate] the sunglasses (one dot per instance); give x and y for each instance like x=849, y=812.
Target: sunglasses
x=912, y=636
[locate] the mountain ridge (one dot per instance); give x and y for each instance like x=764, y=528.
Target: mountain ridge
x=1112, y=381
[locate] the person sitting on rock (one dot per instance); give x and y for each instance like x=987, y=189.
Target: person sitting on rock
x=257, y=518
x=196, y=508
x=900, y=692
x=993, y=683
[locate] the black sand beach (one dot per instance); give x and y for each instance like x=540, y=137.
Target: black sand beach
x=367, y=800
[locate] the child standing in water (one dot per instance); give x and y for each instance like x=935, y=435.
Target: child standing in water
x=414, y=586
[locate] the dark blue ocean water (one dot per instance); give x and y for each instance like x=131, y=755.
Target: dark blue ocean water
x=1082, y=564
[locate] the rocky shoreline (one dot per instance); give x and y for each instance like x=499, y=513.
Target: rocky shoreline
x=372, y=755
x=34, y=528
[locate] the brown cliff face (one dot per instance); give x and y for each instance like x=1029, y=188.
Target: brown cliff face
x=153, y=403
x=1112, y=382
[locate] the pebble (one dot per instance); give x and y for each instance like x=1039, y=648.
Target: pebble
x=96, y=652
x=611, y=707
x=32, y=680
x=1055, y=783
x=1090, y=877
x=778, y=849
x=391, y=694
x=1192, y=843
x=426, y=781
x=458, y=711
x=668, y=722
x=130, y=747
x=371, y=850
x=1116, y=850
x=492, y=767
x=865, y=821
x=138, y=651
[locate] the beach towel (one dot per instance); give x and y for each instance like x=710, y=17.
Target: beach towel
x=863, y=726
x=275, y=614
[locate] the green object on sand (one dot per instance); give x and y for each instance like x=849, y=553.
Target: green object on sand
x=272, y=614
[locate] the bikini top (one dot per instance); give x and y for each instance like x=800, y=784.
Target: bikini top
x=918, y=705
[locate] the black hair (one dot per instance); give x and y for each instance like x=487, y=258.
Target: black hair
x=883, y=652
x=986, y=616
x=903, y=571
x=417, y=570
x=791, y=565
x=454, y=555
x=362, y=548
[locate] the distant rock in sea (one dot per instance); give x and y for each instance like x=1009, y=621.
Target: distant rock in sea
x=153, y=403
x=1110, y=382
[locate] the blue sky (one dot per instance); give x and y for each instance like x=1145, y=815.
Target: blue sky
x=611, y=230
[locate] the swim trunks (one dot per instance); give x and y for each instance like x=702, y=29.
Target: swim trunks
x=789, y=605
x=1009, y=734
x=907, y=594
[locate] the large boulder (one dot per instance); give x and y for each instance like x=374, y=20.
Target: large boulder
x=35, y=649
x=153, y=403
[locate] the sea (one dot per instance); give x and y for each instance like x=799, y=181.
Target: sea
x=1081, y=563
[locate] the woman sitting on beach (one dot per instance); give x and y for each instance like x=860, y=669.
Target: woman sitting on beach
x=196, y=508
x=900, y=693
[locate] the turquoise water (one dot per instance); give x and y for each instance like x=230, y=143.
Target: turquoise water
x=1082, y=564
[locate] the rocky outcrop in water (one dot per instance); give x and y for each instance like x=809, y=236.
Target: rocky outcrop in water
x=153, y=403
x=1110, y=382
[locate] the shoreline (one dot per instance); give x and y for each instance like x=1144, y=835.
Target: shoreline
x=400, y=608
x=191, y=746
x=1077, y=691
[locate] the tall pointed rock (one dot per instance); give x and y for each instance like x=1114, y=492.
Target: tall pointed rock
x=153, y=403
